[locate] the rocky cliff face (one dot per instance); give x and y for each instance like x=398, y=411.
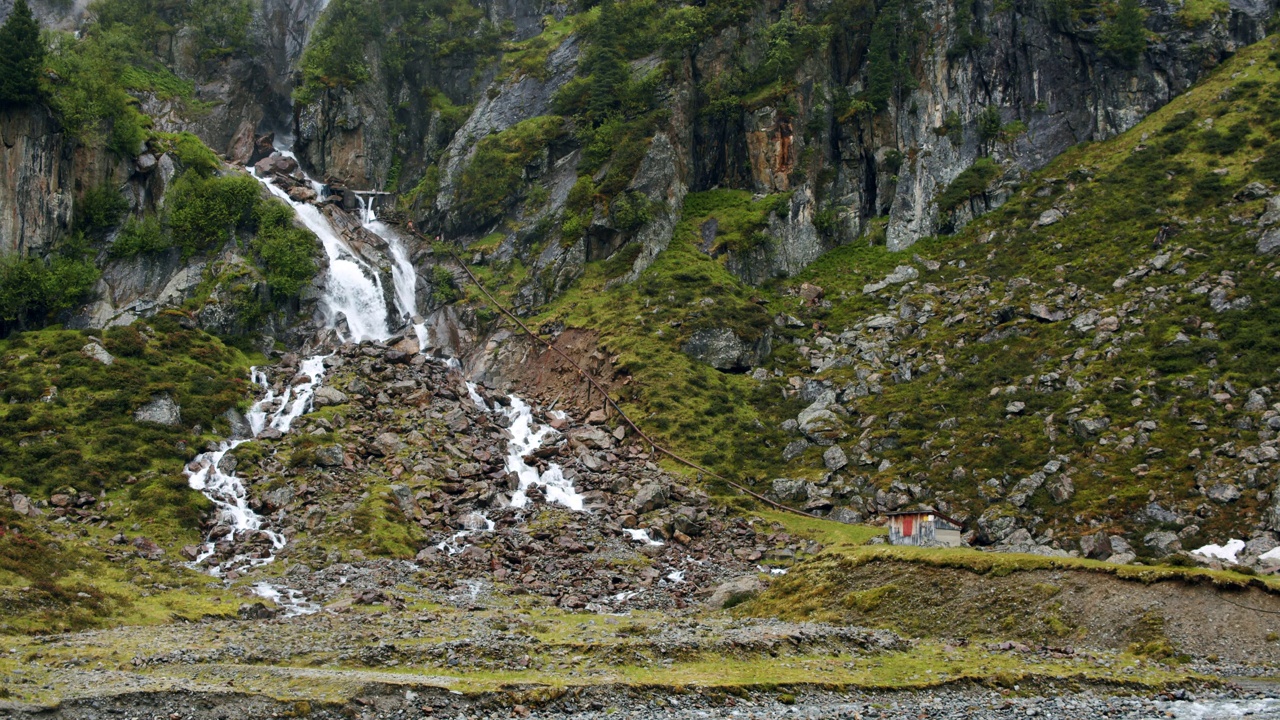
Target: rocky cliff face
x=1011, y=85
x=36, y=179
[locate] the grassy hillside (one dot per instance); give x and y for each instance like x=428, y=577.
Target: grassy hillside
x=979, y=375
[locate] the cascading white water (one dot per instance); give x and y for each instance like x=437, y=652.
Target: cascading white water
x=354, y=290
x=525, y=438
x=229, y=495
x=279, y=413
x=403, y=275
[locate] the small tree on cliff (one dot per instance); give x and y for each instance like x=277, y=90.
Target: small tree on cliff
x=1125, y=37
x=21, y=55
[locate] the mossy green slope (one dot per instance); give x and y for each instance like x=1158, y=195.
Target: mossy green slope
x=68, y=418
x=1174, y=185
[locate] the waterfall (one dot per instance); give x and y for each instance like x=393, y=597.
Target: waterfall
x=353, y=290
x=403, y=275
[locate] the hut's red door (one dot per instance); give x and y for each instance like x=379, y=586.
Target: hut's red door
x=907, y=522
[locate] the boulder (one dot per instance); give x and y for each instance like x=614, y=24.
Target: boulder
x=146, y=162
x=1089, y=428
x=241, y=429
x=722, y=349
x=387, y=444
x=302, y=193
x=162, y=410
x=1269, y=242
x=732, y=592
x=23, y=506
x=900, y=274
x=147, y=548
x=1120, y=545
x=834, y=458
x=846, y=515
x=650, y=497
x=1096, y=546
x=820, y=425
x=1086, y=321
x=1271, y=518
x=1223, y=493
x=96, y=352
x=256, y=611
x=240, y=150
x=1162, y=542
x=325, y=396
x=330, y=456
x=1048, y=217
x=794, y=449
x=809, y=293
x=407, y=502
x=790, y=490
x=473, y=521
x=592, y=437
x=278, y=498
x=996, y=523
x=1157, y=513
x=1061, y=489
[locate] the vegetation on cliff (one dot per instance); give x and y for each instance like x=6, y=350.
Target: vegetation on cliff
x=21, y=55
x=982, y=377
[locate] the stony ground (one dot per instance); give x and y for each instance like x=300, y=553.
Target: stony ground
x=551, y=613
x=969, y=703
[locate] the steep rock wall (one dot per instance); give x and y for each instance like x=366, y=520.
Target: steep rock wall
x=1034, y=85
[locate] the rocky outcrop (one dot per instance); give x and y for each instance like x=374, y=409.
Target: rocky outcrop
x=1032, y=87
x=42, y=171
x=722, y=349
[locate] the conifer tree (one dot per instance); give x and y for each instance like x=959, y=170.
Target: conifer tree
x=1125, y=37
x=21, y=56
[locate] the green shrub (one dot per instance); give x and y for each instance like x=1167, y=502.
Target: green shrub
x=989, y=123
x=32, y=289
x=191, y=152
x=1268, y=166
x=581, y=195
x=21, y=55
x=85, y=91
x=139, y=237
x=1215, y=141
x=286, y=253
x=572, y=228
x=630, y=211
x=494, y=177
x=1124, y=38
x=220, y=27
x=974, y=181
x=444, y=289
x=335, y=53
x=204, y=213
x=99, y=210
x=889, y=54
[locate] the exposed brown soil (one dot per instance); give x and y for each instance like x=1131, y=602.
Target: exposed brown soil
x=517, y=363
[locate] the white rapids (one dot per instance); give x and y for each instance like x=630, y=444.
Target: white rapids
x=525, y=438
x=353, y=294
x=229, y=495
